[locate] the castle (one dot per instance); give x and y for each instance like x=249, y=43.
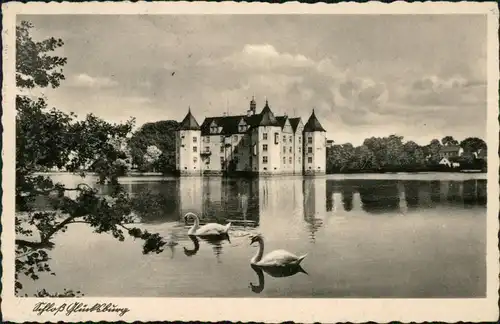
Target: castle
x=255, y=143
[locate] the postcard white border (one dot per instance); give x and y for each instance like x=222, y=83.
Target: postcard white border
x=255, y=309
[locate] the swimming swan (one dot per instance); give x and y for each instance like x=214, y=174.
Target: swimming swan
x=210, y=229
x=275, y=258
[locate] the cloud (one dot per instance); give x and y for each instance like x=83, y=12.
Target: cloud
x=260, y=57
x=87, y=81
x=138, y=100
x=439, y=91
x=294, y=81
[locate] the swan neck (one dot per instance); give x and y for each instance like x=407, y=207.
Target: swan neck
x=260, y=252
x=196, y=221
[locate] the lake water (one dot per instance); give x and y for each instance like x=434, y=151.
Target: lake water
x=365, y=236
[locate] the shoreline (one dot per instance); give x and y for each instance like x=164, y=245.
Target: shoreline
x=424, y=176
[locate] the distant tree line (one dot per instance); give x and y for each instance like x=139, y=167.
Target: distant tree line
x=392, y=154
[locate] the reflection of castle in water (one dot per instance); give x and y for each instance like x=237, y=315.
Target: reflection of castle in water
x=221, y=199
x=243, y=201
x=315, y=204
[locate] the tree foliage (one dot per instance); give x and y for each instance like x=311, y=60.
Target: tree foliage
x=392, y=154
x=473, y=145
x=160, y=134
x=449, y=141
x=47, y=138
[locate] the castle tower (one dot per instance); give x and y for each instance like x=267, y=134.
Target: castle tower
x=253, y=106
x=314, y=146
x=269, y=137
x=188, y=146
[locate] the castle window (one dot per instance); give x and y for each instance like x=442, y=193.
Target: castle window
x=222, y=139
x=195, y=149
x=221, y=160
x=208, y=139
x=299, y=159
x=264, y=136
x=300, y=139
x=284, y=138
x=207, y=149
x=310, y=159
x=309, y=149
x=284, y=160
x=290, y=138
x=276, y=138
x=290, y=149
x=207, y=162
x=284, y=149
x=309, y=140
x=264, y=147
x=195, y=159
x=264, y=159
x=290, y=160
x=195, y=139
x=235, y=150
x=222, y=149
x=235, y=138
x=300, y=149
x=213, y=129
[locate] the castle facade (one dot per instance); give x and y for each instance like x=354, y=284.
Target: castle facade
x=255, y=143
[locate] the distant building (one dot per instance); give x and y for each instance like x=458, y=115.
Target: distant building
x=450, y=151
x=451, y=162
x=253, y=143
x=481, y=154
x=329, y=143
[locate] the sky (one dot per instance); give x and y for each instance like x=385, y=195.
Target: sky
x=418, y=76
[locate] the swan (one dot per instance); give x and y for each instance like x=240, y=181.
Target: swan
x=210, y=229
x=275, y=258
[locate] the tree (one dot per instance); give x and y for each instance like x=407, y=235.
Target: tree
x=151, y=157
x=160, y=134
x=449, y=141
x=363, y=159
x=339, y=157
x=473, y=145
x=432, y=151
x=47, y=138
x=413, y=156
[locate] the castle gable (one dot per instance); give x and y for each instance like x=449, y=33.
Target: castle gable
x=295, y=123
x=287, y=127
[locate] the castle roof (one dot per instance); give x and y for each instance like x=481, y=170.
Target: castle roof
x=267, y=117
x=189, y=122
x=295, y=123
x=313, y=124
x=230, y=124
x=281, y=120
x=450, y=148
